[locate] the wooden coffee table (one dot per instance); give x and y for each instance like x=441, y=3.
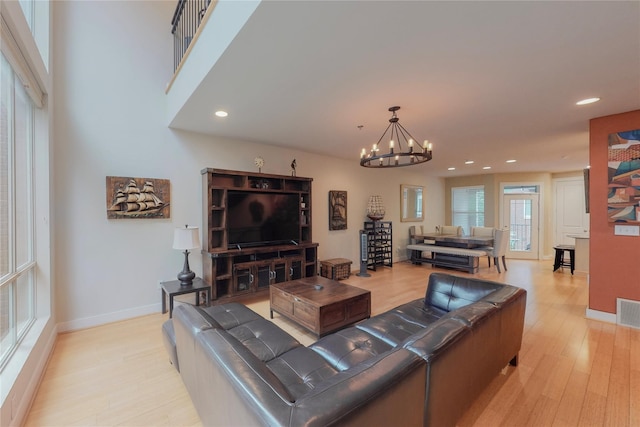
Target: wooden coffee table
x=319, y=304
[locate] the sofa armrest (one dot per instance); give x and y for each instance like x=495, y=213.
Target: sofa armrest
x=449, y=292
x=512, y=302
x=233, y=390
x=191, y=319
x=448, y=348
x=505, y=295
x=228, y=316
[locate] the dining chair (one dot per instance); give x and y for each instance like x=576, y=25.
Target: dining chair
x=413, y=231
x=499, y=248
x=482, y=231
x=417, y=230
x=456, y=230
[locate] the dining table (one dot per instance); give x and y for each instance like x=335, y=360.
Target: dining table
x=458, y=252
x=455, y=241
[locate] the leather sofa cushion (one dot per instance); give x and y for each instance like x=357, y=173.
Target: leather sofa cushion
x=228, y=316
x=392, y=327
x=263, y=338
x=448, y=292
x=238, y=361
x=301, y=370
x=417, y=311
x=436, y=339
x=385, y=390
x=398, y=324
x=349, y=347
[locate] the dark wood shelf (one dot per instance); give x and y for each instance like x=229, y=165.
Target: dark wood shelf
x=247, y=271
x=379, y=244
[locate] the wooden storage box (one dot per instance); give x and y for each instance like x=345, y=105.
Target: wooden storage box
x=335, y=268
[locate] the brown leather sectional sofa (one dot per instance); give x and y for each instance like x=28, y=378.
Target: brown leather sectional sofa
x=422, y=363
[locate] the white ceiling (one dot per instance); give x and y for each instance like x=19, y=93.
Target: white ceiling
x=482, y=81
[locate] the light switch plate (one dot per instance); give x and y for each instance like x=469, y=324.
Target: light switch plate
x=627, y=230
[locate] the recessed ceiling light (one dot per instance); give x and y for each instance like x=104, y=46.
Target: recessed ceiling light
x=221, y=113
x=486, y=167
x=451, y=169
x=468, y=162
x=587, y=101
x=511, y=161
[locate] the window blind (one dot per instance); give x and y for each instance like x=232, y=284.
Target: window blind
x=467, y=207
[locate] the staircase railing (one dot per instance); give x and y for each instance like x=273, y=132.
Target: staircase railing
x=186, y=20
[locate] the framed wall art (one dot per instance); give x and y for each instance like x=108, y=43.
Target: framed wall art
x=623, y=156
x=138, y=197
x=337, y=210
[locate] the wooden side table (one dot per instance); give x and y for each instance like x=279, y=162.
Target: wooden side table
x=173, y=288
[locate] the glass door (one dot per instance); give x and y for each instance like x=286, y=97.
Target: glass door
x=521, y=215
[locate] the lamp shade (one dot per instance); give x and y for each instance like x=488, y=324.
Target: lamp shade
x=186, y=238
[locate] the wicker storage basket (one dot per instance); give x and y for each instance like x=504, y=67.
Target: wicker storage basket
x=335, y=268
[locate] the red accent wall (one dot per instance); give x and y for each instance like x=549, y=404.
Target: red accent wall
x=614, y=261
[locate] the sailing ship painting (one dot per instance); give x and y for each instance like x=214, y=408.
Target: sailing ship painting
x=137, y=197
x=624, y=177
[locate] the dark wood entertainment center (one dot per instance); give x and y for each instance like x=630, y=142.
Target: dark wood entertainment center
x=240, y=271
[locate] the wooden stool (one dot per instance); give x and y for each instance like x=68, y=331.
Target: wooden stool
x=560, y=261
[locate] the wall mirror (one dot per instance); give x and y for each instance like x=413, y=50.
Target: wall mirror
x=411, y=203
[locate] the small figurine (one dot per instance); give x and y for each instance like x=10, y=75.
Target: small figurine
x=293, y=167
x=259, y=162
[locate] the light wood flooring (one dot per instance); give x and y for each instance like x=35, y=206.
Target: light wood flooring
x=572, y=371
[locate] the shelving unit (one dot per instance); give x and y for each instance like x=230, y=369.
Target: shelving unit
x=241, y=272
x=379, y=244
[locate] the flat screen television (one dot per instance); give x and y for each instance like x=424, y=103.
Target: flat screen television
x=258, y=219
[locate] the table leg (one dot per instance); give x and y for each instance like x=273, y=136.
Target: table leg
x=164, y=301
x=170, y=306
x=197, y=298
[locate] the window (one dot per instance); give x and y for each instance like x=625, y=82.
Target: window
x=17, y=259
x=467, y=207
x=521, y=189
x=26, y=325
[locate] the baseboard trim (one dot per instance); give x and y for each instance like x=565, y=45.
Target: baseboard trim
x=602, y=316
x=116, y=316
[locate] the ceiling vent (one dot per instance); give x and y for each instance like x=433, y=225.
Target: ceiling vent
x=628, y=313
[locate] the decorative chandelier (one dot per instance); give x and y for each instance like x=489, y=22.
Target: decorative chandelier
x=404, y=150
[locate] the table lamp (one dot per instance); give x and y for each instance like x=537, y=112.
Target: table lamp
x=184, y=239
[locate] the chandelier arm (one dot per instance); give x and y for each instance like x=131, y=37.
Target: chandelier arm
x=383, y=134
x=405, y=133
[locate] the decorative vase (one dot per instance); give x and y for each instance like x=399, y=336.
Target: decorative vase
x=375, y=208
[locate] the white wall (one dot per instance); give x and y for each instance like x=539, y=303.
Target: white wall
x=112, y=61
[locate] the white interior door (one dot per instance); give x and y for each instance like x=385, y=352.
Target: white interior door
x=521, y=216
x=570, y=212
